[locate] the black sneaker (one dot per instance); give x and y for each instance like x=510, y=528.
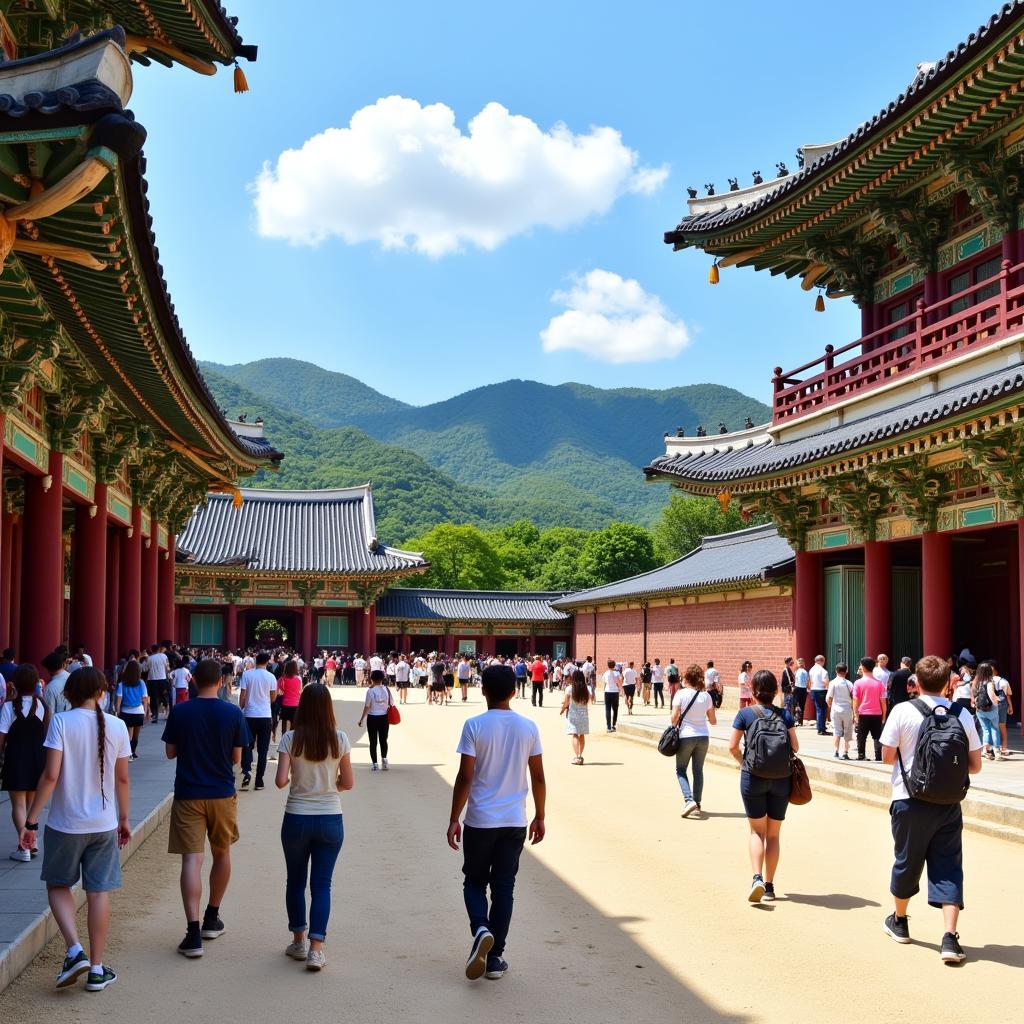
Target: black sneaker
x=192, y=945
x=213, y=927
x=952, y=951
x=757, y=889
x=477, y=962
x=97, y=982
x=898, y=929
x=769, y=892
x=74, y=967
x=258, y=787
x=496, y=968
x=246, y=779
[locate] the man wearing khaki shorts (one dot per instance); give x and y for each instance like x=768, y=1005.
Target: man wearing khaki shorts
x=206, y=736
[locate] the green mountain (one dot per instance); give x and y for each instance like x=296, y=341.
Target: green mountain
x=559, y=455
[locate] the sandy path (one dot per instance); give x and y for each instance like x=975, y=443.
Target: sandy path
x=625, y=911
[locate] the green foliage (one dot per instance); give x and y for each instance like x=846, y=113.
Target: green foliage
x=685, y=521
x=618, y=551
x=461, y=558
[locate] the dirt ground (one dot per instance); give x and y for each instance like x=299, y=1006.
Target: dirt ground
x=625, y=911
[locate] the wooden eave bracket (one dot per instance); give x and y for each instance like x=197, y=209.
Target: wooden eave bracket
x=140, y=44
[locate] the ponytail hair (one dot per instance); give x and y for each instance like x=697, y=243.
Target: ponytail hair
x=84, y=684
x=25, y=680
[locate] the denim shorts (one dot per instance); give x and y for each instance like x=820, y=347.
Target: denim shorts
x=91, y=856
x=764, y=797
x=1003, y=705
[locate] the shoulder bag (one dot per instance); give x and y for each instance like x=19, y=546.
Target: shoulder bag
x=800, y=785
x=394, y=715
x=669, y=742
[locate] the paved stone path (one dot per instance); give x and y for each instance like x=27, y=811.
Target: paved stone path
x=626, y=911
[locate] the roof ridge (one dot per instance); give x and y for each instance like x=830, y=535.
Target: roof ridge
x=299, y=494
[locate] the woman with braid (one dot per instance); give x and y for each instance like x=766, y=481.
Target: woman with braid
x=86, y=775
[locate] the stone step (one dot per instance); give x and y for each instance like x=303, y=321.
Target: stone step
x=998, y=815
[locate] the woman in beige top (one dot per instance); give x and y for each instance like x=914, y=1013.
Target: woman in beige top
x=315, y=757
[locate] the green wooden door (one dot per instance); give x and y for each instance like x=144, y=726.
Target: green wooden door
x=906, y=614
x=844, y=614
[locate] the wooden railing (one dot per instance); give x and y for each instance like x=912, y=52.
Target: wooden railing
x=930, y=335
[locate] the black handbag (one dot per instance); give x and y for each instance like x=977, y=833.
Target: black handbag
x=669, y=742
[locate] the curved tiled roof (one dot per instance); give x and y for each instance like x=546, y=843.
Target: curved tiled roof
x=329, y=531
x=919, y=89
x=773, y=457
x=469, y=605
x=753, y=554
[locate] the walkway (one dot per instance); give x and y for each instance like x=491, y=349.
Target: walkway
x=625, y=909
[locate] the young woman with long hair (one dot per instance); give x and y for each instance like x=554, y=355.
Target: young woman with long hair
x=986, y=707
x=86, y=775
x=692, y=709
x=315, y=758
x=132, y=703
x=24, y=720
x=576, y=708
x=375, y=714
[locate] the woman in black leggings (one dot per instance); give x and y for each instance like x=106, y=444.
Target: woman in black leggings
x=375, y=713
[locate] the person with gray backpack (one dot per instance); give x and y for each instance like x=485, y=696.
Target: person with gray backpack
x=769, y=743
x=933, y=748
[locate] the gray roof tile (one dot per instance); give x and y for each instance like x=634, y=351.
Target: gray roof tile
x=329, y=531
x=774, y=457
x=471, y=605
x=753, y=554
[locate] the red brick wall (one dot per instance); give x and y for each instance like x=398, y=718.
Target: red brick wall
x=728, y=632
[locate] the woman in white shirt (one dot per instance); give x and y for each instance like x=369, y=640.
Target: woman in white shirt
x=315, y=757
x=375, y=714
x=692, y=710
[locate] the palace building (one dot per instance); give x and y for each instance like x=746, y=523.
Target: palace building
x=109, y=434
x=893, y=461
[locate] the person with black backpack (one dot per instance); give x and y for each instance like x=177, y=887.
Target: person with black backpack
x=769, y=742
x=933, y=748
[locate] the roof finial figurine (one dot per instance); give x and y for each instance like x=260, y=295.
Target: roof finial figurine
x=680, y=432
x=734, y=184
x=241, y=417
x=691, y=192
x=783, y=169
x=722, y=428
x=701, y=432
x=748, y=423
x=800, y=158
x=259, y=421
x=711, y=189
x=758, y=180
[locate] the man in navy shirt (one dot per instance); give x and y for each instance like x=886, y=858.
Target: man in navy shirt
x=206, y=736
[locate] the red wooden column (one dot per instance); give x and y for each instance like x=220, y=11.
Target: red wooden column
x=150, y=570
x=129, y=611
x=937, y=592
x=230, y=627
x=807, y=611
x=7, y=597
x=43, y=602
x=166, y=624
x=371, y=629
x=89, y=577
x=306, y=650
x=111, y=645
x=17, y=561
x=877, y=599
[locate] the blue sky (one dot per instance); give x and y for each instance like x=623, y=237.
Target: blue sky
x=704, y=90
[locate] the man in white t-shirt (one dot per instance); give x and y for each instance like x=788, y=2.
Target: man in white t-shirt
x=158, y=671
x=376, y=663
x=359, y=664
x=499, y=749
x=819, y=680
x=257, y=692
x=881, y=670
x=658, y=682
x=629, y=678
x=612, y=679
x=926, y=833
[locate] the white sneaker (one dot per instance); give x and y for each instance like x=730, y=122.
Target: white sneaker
x=384, y=765
x=21, y=855
x=689, y=807
x=297, y=950
x=316, y=961
x=374, y=767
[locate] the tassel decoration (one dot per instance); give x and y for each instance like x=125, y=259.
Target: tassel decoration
x=236, y=499
x=713, y=274
x=819, y=303
x=241, y=83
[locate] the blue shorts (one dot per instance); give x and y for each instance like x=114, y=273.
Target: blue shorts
x=764, y=797
x=1003, y=706
x=928, y=835
x=91, y=856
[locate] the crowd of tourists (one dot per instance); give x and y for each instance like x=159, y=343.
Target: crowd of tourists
x=68, y=743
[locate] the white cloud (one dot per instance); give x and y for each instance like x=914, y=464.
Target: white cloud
x=406, y=176
x=613, y=319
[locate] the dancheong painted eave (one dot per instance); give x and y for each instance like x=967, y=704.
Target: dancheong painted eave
x=947, y=105
x=318, y=532
x=756, y=554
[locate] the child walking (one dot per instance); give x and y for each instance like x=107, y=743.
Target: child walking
x=499, y=749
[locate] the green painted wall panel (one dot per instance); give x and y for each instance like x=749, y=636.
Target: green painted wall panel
x=332, y=630
x=206, y=629
x=906, y=614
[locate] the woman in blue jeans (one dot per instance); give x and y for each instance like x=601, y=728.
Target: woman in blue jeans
x=315, y=757
x=692, y=710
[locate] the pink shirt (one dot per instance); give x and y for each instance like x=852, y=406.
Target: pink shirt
x=867, y=695
x=290, y=687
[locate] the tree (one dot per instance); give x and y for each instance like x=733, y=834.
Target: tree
x=616, y=552
x=461, y=558
x=518, y=547
x=686, y=521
